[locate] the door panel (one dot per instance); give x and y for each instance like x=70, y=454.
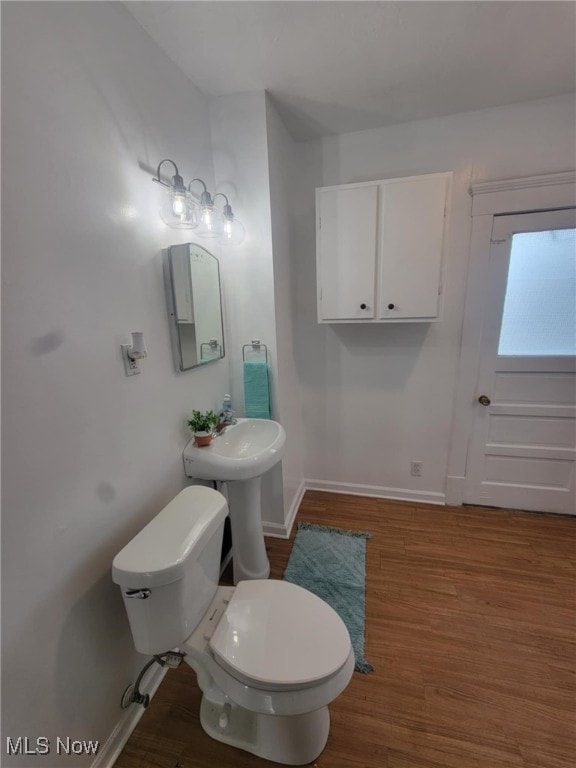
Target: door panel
x=534, y=386
x=523, y=447
x=512, y=429
x=528, y=472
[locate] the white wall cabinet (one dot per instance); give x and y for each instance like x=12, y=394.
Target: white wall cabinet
x=379, y=248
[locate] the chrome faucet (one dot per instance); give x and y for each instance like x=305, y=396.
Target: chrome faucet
x=224, y=420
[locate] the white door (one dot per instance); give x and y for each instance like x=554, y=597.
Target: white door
x=522, y=451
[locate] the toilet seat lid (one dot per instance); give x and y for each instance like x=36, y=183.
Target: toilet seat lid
x=276, y=634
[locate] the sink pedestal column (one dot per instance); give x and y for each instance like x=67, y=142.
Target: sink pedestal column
x=249, y=556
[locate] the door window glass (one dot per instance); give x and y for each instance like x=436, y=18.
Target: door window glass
x=540, y=305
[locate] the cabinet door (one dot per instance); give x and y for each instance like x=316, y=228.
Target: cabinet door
x=412, y=242
x=347, y=227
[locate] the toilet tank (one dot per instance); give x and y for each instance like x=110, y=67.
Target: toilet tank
x=171, y=569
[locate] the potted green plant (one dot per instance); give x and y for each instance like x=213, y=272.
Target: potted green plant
x=201, y=423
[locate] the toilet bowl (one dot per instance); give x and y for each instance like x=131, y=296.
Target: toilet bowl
x=269, y=655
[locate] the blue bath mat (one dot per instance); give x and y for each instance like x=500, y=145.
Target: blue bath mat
x=331, y=563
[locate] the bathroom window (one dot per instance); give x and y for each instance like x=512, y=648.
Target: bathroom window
x=540, y=306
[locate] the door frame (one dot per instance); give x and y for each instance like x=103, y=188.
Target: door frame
x=490, y=199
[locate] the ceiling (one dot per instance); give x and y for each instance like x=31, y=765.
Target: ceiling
x=333, y=67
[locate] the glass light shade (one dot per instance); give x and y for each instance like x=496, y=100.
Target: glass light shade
x=233, y=232
x=179, y=210
x=210, y=223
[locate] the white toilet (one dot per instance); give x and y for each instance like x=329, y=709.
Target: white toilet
x=269, y=655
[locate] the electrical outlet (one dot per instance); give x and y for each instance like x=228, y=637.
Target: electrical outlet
x=416, y=468
x=131, y=367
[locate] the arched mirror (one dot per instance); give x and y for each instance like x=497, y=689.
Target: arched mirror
x=194, y=305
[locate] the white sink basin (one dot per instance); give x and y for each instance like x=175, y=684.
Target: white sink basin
x=240, y=452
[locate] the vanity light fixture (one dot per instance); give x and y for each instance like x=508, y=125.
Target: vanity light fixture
x=178, y=209
x=182, y=210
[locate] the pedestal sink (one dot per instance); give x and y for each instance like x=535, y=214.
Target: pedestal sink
x=239, y=456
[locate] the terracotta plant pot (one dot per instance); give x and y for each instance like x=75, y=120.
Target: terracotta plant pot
x=202, y=439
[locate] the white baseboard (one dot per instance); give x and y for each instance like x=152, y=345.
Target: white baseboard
x=282, y=531
x=293, y=511
x=109, y=753
x=274, y=530
x=377, y=491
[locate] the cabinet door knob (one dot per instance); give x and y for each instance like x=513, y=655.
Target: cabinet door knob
x=390, y=306
x=362, y=306
x=484, y=400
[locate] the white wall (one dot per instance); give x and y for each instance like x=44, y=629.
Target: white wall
x=88, y=454
x=282, y=159
x=241, y=170
x=254, y=162
x=377, y=397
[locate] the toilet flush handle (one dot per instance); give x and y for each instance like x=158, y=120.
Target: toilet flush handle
x=139, y=594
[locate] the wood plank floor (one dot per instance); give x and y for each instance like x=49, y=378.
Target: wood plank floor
x=470, y=626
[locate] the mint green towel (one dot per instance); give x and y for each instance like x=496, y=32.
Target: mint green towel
x=256, y=389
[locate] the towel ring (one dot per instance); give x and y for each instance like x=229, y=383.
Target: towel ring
x=256, y=346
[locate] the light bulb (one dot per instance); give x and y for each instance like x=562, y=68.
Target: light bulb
x=233, y=232
x=179, y=205
x=210, y=222
x=178, y=210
